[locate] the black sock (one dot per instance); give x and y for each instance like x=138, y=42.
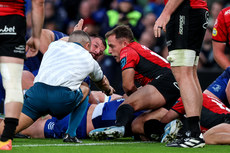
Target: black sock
x=192, y=124
x=153, y=127
x=124, y=115
x=9, y=129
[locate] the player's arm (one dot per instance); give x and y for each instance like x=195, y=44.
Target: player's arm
x=164, y=18
x=37, y=21
x=171, y=115
x=47, y=36
x=128, y=81
x=104, y=85
x=219, y=55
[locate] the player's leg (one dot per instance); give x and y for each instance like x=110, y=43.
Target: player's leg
x=183, y=59
x=103, y=115
x=142, y=125
x=27, y=80
x=36, y=130
x=11, y=74
x=219, y=134
x=147, y=97
x=76, y=116
x=12, y=52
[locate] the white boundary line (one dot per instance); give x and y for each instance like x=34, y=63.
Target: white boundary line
x=81, y=144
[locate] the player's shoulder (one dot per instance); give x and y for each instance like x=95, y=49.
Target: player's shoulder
x=130, y=50
x=226, y=11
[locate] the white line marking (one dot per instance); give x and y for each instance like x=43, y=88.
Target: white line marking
x=81, y=144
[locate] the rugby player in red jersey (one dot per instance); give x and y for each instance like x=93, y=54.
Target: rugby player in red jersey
x=221, y=37
x=185, y=23
x=145, y=67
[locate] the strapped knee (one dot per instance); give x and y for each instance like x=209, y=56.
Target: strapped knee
x=182, y=57
x=12, y=81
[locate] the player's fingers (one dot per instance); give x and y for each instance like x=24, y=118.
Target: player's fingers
x=155, y=30
x=79, y=25
x=159, y=28
x=164, y=28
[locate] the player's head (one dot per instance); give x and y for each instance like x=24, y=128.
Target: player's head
x=119, y=38
x=81, y=37
x=98, y=45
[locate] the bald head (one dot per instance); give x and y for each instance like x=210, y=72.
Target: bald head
x=80, y=36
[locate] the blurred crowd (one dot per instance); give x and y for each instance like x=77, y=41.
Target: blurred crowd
x=101, y=16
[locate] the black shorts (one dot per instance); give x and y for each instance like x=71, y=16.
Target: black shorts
x=12, y=36
x=186, y=28
x=168, y=87
x=210, y=119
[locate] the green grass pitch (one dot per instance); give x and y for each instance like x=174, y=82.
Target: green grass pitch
x=124, y=145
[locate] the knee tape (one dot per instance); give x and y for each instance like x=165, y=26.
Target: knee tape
x=182, y=57
x=196, y=61
x=12, y=81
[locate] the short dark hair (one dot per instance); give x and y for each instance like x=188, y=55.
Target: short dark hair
x=80, y=37
x=121, y=31
x=102, y=39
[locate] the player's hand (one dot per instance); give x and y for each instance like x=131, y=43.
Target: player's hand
x=32, y=47
x=79, y=26
x=109, y=91
x=160, y=24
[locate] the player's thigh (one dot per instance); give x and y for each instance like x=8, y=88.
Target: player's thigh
x=221, y=128
x=146, y=97
x=148, y=115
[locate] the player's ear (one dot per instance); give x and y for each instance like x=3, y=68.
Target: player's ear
x=125, y=42
x=87, y=46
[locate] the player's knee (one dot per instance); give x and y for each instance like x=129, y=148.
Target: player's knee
x=85, y=89
x=208, y=139
x=182, y=57
x=11, y=77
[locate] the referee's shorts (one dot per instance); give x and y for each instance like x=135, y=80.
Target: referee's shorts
x=42, y=99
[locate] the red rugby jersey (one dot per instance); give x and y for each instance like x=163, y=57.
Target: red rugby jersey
x=221, y=29
x=12, y=7
x=147, y=64
x=209, y=102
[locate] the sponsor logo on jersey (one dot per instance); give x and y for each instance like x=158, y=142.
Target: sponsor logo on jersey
x=8, y=30
x=181, y=24
x=206, y=20
x=123, y=62
x=158, y=76
x=169, y=43
x=51, y=125
x=216, y=87
x=176, y=85
x=227, y=12
x=19, y=49
x=214, y=32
